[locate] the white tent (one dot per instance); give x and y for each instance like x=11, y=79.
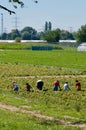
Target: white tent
x=82, y=47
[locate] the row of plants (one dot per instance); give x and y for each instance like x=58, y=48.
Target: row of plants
x=27, y=46
x=9, y=69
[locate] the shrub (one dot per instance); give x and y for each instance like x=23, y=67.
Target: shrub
x=18, y=39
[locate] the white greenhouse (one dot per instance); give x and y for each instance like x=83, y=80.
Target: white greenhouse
x=82, y=47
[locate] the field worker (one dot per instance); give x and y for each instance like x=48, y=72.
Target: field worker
x=15, y=86
x=66, y=86
x=40, y=84
x=28, y=87
x=56, y=86
x=78, y=85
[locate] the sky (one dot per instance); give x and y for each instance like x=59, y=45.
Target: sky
x=63, y=14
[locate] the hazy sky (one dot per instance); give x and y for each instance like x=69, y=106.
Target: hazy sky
x=63, y=14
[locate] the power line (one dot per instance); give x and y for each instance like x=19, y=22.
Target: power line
x=16, y=22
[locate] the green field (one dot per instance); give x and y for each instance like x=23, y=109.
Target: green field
x=64, y=59
x=49, y=108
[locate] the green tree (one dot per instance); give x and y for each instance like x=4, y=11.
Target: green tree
x=41, y=35
x=9, y=36
x=66, y=35
x=74, y=34
x=32, y=33
x=50, y=26
x=46, y=26
x=81, y=34
x=26, y=36
x=4, y=36
x=13, y=34
x=52, y=36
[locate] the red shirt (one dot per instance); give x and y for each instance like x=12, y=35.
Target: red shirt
x=78, y=85
x=56, y=83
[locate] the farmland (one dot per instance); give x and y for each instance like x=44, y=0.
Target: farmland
x=24, y=65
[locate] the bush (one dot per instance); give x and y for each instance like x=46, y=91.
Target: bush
x=18, y=39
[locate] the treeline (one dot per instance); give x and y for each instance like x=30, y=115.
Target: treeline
x=29, y=33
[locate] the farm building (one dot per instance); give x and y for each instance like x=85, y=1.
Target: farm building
x=82, y=47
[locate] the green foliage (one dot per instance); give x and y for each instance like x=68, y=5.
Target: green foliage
x=52, y=36
x=81, y=34
x=48, y=26
x=66, y=35
x=4, y=36
x=13, y=34
x=28, y=33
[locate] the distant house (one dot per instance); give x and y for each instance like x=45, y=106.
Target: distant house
x=82, y=47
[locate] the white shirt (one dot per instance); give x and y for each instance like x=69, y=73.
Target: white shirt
x=65, y=86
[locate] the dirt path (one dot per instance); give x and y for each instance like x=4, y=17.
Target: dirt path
x=51, y=76
x=37, y=114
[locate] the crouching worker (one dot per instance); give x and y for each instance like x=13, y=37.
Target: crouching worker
x=56, y=86
x=28, y=87
x=78, y=85
x=15, y=86
x=66, y=86
x=40, y=84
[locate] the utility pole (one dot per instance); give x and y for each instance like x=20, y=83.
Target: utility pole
x=15, y=22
